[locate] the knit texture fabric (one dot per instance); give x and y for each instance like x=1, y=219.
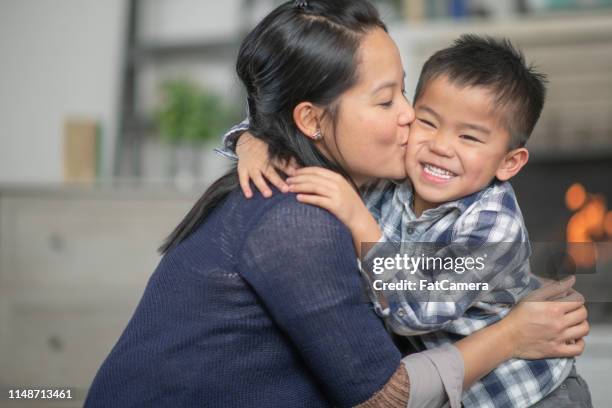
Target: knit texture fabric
x=262, y=306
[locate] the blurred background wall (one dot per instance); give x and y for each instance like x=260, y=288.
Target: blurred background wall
x=98, y=161
x=59, y=58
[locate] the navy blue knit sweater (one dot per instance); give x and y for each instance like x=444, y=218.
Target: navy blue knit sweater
x=262, y=306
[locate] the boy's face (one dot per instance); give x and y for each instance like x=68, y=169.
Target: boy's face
x=457, y=143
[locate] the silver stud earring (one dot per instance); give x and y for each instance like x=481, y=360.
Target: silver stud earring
x=317, y=135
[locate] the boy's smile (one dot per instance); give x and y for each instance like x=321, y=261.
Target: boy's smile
x=457, y=144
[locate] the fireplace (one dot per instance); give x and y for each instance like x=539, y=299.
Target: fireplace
x=571, y=200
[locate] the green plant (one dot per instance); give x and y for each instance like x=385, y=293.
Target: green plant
x=190, y=114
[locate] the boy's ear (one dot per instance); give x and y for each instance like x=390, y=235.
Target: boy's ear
x=512, y=163
x=307, y=118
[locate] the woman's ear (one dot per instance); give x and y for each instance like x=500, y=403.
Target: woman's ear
x=512, y=163
x=307, y=118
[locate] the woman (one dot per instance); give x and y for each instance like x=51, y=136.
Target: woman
x=259, y=302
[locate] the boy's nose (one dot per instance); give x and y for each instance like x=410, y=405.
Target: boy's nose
x=441, y=146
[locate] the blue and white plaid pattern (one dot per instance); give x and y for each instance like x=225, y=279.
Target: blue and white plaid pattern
x=230, y=138
x=489, y=216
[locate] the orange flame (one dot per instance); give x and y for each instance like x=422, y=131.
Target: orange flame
x=607, y=224
x=575, y=196
x=591, y=222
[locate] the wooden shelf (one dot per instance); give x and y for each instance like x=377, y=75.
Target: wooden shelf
x=152, y=51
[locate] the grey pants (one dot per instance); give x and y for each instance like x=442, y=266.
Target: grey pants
x=573, y=392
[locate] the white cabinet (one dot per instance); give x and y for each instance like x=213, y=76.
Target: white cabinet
x=54, y=242
x=73, y=265
x=55, y=343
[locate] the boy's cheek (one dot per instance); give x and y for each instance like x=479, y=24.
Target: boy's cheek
x=417, y=137
x=412, y=149
x=412, y=170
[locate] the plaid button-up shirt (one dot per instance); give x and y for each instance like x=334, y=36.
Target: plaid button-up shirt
x=489, y=220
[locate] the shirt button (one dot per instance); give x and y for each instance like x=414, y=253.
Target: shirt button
x=410, y=230
x=401, y=312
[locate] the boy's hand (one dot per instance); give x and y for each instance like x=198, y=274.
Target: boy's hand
x=254, y=164
x=327, y=189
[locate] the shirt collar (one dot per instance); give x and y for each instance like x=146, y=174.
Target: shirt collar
x=405, y=196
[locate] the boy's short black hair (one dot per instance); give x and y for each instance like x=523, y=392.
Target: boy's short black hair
x=519, y=90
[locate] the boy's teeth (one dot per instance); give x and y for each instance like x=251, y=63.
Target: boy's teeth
x=438, y=172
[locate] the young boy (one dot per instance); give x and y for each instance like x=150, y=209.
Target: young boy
x=476, y=104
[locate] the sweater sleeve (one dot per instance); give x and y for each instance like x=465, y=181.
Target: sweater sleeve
x=301, y=262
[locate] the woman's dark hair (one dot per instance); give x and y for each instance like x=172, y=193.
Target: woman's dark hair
x=301, y=51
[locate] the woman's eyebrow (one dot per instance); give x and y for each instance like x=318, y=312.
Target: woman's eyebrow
x=388, y=84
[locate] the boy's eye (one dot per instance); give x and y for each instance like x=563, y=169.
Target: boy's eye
x=470, y=138
x=427, y=123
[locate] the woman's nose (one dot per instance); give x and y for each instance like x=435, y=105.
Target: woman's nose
x=407, y=115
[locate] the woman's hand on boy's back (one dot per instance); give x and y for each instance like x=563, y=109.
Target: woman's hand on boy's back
x=329, y=190
x=551, y=322
x=254, y=164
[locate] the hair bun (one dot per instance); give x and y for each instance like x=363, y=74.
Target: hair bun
x=301, y=4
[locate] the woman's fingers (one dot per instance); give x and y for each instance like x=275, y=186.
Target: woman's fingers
x=576, y=332
x=552, y=290
x=568, y=302
x=571, y=349
x=575, y=317
x=571, y=296
x=571, y=302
